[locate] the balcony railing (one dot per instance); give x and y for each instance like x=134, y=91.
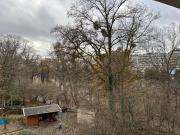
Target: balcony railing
x=174, y=3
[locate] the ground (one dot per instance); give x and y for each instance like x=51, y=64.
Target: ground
x=15, y=126
x=67, y=120
x=12, y=128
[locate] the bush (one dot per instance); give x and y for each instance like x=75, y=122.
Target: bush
x=156, y=75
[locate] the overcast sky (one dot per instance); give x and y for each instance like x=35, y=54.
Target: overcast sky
x=33, y=19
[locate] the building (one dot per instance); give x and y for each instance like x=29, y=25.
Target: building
x=34, y=115
x=157, y=60
x=147, y=61
x=174, y=3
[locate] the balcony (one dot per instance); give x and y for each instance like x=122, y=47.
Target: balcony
x=174, y=3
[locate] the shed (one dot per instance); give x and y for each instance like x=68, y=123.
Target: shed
x=33, y=115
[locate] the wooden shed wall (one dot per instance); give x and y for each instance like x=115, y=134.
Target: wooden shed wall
x=32, y=120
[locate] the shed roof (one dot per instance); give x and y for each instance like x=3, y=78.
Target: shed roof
x=29, y=111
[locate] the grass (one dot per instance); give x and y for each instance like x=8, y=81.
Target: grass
x=26, y=133
x=14, y=118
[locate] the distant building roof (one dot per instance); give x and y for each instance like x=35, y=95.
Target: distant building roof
x=29, y=111
x=174, y=3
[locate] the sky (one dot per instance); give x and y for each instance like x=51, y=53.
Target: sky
x=33, y=19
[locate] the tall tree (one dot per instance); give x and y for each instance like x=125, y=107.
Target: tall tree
x=102, y=26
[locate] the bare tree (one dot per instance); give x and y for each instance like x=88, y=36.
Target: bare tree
x=166, y=54
x=15, y=55
x=71, y=72
x=100, y=28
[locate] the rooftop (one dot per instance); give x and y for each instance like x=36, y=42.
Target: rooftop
x=174, y=3
x=29, y=111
